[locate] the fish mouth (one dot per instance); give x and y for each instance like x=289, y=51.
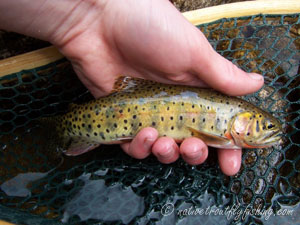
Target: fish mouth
x=274, y=138
x=274, y=135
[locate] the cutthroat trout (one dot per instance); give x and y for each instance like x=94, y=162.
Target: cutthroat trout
x=175, y=111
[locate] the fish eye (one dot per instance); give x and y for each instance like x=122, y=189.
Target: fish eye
x=270, y=126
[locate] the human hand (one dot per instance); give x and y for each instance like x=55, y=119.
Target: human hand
x=151, y=40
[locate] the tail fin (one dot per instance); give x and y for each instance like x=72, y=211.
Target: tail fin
x=49, y=131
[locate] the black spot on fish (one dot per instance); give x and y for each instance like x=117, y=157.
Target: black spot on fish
x=79, y=112
x=107, y=130
x=91, y=108
x=125, y=128
x=115, y=125
x=78, y=127
x=83, y=125
x=162, y=118
x=143, y=109
x=168, y=108
x=248, y=133
x=83, y=116
x=94, y=121
x=98, y=125
x=125, y=121
x=113, y=116
x=134, y=117
x=136, y=107
x=257, y=126
x=180, y=117
x=102, y=135
x=74, y=126
x=237, y=133
x=207, y=107
x=193, y=106
x=86, y=108
x=120, y=111
x=140, y=124
x=87, y=135
x=153, y=123
x=172, y=128
x=171, y=118
x=193, y=120
x=95, y=134
x=90, y=126
x=203, y=120
x=212, y=127
x=128, y=109
x=227, y=103
x=182, y=104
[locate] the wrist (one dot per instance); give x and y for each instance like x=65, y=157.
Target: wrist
x=55, y=21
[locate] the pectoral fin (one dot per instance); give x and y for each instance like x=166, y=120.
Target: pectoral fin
x=212, y=140
x=79, y=145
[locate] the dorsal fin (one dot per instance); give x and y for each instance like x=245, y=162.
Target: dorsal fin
x=122, y=83
x=127, y=84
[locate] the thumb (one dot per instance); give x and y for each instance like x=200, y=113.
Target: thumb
x=221, y=74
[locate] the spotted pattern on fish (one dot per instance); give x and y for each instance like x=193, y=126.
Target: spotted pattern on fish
x=175, y=111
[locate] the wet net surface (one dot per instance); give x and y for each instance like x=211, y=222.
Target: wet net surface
x=40, y=186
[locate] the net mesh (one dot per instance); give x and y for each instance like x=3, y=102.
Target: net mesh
x=40, y=186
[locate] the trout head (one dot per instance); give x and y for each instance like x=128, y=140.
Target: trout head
x=256, y=130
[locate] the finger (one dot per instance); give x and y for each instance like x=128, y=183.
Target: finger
x=193, y=151
x=230, y=160
x=166, y=150
x=221, y=74
x=140, y=146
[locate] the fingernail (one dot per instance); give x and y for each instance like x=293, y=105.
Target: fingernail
x=167, y=154
x=148, y=143
x=256, y=76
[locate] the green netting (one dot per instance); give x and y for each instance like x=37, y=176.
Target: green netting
x=40, y=186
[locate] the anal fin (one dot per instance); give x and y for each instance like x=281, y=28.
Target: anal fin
x=79, y=145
